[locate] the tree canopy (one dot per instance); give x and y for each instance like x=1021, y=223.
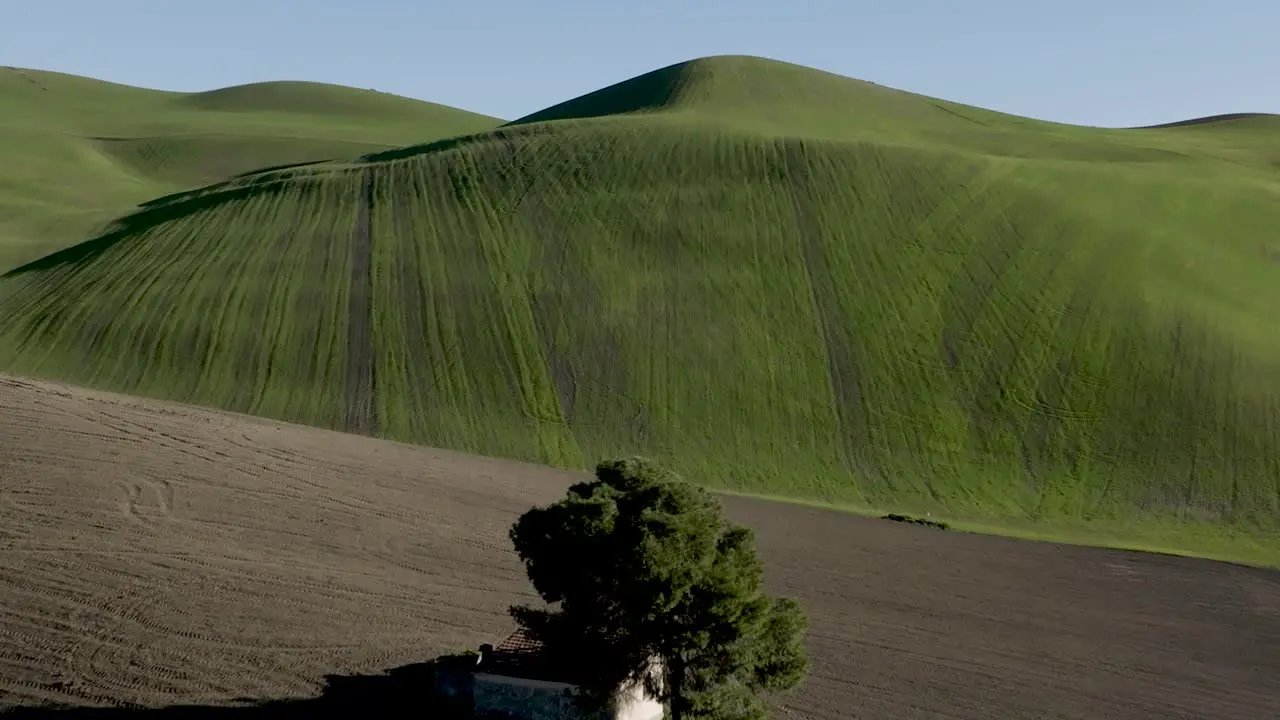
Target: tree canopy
x=638, y=565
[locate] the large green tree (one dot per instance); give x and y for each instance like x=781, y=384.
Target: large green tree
x=639, y=565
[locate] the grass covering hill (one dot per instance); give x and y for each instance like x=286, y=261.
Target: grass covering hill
x=76, y=152
x=778, y=280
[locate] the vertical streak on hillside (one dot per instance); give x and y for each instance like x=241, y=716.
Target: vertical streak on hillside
x=550, y=255
x=850, y=407
x=361, y=414
x=585, y=359
x=507, y=253
x=405, y=413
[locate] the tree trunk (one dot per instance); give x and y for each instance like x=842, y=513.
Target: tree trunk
x=675, y=686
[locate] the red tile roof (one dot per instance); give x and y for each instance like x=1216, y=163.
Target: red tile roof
x=519, y=641
x=519, y=655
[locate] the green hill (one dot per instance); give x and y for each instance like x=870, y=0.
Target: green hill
x=79, y=152
x=780, y=280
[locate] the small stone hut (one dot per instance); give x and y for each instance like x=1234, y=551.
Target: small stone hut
x=516, y=680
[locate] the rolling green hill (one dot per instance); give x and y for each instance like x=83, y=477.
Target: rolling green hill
x=779, y=280
x=78, y=152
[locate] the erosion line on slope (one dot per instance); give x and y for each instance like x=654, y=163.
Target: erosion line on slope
x=361, y=415
x=850, y=407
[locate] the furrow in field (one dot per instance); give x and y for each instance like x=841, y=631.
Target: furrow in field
x=350, y=556
x=838, y=334
x=361, y=415
x=871, y=311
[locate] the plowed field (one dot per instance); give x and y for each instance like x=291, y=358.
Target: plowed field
x=157, y=555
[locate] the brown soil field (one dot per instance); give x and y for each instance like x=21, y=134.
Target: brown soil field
x=155, y=555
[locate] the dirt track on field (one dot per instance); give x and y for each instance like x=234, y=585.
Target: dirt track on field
x=160, y=555
x=361, y=403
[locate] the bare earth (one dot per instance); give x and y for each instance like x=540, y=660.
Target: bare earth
x=157, y=555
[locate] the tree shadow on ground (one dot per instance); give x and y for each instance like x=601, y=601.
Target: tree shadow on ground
x=406, y=691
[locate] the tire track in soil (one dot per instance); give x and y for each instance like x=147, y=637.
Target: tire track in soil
x=1050, y=414
x=992, y=390
x=592, y=365
x=361, y=413
x=256, y=599
x=98, y=622
x=850, y=407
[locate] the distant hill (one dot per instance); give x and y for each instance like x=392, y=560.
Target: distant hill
x=758, y=94
x=777, y=279
x=326, y=100
x=1234, y=120
x=76, y=152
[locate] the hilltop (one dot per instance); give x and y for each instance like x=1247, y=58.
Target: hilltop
x=779, y=280
x=79, y=152
x=770, y=97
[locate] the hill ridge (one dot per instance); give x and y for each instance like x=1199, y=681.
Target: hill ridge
x=35, y=75
x=860, y=298
x=303, y=96
x=79, y=152
x=1217, y=119
x=716, y=83
x=683, y=69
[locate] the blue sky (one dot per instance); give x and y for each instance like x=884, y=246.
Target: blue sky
x=1095, y=62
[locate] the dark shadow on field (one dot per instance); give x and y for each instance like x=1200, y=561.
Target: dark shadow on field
x=649, y=92
x=508, y=133
x=409, y=151
x=157, y=211
x=1208, y=120
x=246, y=185
x=406, y=691
x=150, y=215
x=272, y=168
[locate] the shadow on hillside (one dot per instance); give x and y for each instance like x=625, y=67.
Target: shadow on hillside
x=1207, y=120
x=651, y=91
x=407, y=691
x=435, y=146
x=510, y=132
x=174, y=206
x=274, y=168
x=148, y=216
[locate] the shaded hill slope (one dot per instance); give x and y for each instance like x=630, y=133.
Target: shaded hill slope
x=76, y=152
x=1235, y=120
x=1001, y=320
x=767, y=96
x=783, y=99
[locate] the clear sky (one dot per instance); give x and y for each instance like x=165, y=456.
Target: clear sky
x=1095, y=62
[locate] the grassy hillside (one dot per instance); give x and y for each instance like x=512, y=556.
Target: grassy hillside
x=779, y=280
x=76, y=152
